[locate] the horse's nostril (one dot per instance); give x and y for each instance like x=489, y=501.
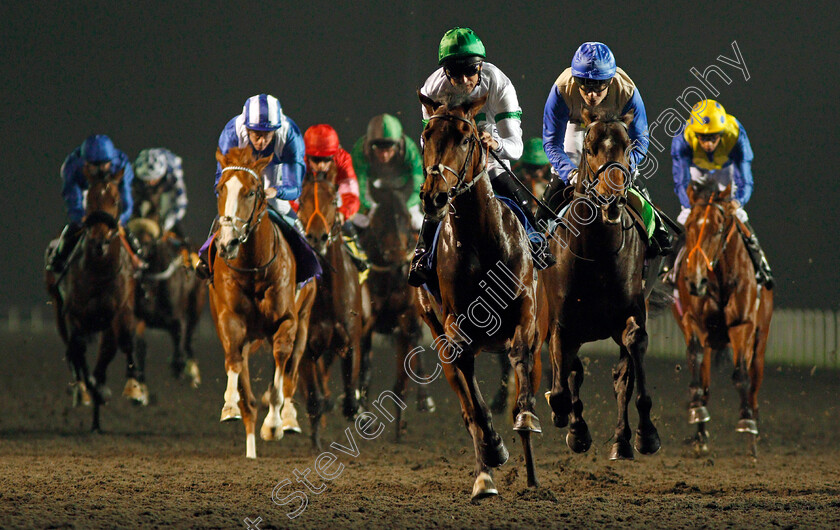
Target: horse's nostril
x=440, y=200
x=324, y=237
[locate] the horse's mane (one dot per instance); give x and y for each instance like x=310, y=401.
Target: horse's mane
x=452, y=100
x=704, y=191
x=240, y=156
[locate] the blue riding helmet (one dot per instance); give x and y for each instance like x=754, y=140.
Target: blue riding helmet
x=593, y=60
x=98, y=148
x=263, y=113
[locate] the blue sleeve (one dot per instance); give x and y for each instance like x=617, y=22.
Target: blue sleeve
x=638, y=129
x=681, y=158
x=71, y=191
x=742, y=157
x=555, y=120
x=293, y=166
x=227, y=140
x=125, y=188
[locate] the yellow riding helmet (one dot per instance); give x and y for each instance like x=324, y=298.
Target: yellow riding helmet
x=707, y=117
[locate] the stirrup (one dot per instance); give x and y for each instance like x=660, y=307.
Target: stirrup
x=202, y=270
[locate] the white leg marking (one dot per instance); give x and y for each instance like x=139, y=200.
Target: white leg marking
x=272, y=426
x=232, y=390
x=251, y=446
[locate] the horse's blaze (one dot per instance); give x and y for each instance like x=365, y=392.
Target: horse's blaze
x=233, y=186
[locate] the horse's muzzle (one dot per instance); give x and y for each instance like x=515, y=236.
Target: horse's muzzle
x=230, y=249
x=435, y=204
x=698, y=288
x=611, y=213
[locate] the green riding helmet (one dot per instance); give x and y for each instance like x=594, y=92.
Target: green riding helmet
x=460, y=43
x=384, y=129
x=533, y=154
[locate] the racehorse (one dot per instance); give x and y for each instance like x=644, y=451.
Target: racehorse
x=169, y=297
x=339, y=312
x=720, y=304
x=253, y=295
x=479, y=242
x=389, y=245
x=96, y=294
x=596, y=291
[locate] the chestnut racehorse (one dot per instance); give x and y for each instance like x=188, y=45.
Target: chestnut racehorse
x=96, y=294
x=253, y=295
x=389, y=246
x=480, y=242
x=340, y=309
x=169, y=297
x=596, y=291
x=720, y=304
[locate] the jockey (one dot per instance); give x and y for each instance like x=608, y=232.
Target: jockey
x=323, y=152
x=593, y=81
x=463, y=70
x=533, y=168
x=158, y=168
x=269, y=132
x=97, y=156
x=385, y=154
x=713, y=145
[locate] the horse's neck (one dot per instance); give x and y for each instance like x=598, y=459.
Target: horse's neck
x=476, y=215
x=260, y=245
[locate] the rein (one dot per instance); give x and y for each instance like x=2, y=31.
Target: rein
x=594, y=175
x=320, y=214
x=710, y=264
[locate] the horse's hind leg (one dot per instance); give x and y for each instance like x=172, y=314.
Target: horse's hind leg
x=528, y=370
x=635, y=339
x=499, y=402
x=578, y=438
x=177, y=363
x=350, y=362
x=314, y=398
x=78, y=364
x=742, y=338
x=623, y=380
x=191, y=317
x=135, y=385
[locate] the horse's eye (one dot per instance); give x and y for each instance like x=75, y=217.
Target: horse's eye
x=465, y=141
x=252, y=193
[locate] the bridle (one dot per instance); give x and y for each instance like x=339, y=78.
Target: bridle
x=697, y=248
x=333, y=233
x=460, y=186
x=242, y=234
x=248, y=225
x=589, y=177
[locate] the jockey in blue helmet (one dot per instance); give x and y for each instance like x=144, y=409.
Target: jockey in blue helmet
x=97, y=156
x=263, y=125
x=593, y=81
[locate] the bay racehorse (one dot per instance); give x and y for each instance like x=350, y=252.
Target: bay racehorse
x=596, y=291
x=253, y=296
x=169, y=297
x=389, y=244
x=95, y=294
x=340, y=310
x=489, y=298
x=720, y=304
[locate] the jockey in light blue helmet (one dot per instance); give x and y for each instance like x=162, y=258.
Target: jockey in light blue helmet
x=96, y=157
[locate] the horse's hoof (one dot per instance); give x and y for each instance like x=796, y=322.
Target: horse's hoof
x=136, y=392
x=579, y=440
x=560, y=420
x=698, y=415
x=288, y=416
x=265, y=400
x=648, y=444
x=192, y=373
x=495, y=456
x=426, y=405
x=271, y=433
x=483, y=487
x=527, y=421
x=621, y=450
x=230, y=413
x=80, y=394
x=700, y=447
x=747, y=425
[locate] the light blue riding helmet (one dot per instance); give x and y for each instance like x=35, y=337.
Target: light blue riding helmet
x=263, y=113
x=593, y=60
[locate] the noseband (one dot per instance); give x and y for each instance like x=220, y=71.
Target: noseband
x=248, y=225
x=460, y=186
x=711, y=263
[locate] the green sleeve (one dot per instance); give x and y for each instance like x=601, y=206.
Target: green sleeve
x=415, y=164
x=362, y=167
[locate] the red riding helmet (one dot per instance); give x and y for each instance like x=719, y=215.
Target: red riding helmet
x=321, y=140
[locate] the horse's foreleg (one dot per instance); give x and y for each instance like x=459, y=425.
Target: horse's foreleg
x=314, y=399
x=282, y=346
x=176, y=333
x=402, y=380
x=499, y=402
x=78, y=364
x=742, y=339
x=635, y=339
x=623, y=379
x=527, y=367
x=365, y=365
x=135, y=385
x=350, y=363
x=560, y=397
x=191, y=317
x=248, y=406
x=579, y=439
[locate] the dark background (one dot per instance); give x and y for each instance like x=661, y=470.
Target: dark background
x=172, y=75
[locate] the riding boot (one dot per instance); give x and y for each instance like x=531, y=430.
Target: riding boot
x=670, y=261
x=660, y=241
x=202, y=268
x=503, y=184
x=66, y=243
x=763, y=273
x=419, y=271
x=553, y=197
x=351, y=241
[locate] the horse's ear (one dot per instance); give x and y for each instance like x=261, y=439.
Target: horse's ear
x=471, y=108
x=428, y=103
x=260, y=164
x=220, y=158
x=727, y=192
x=587, y=116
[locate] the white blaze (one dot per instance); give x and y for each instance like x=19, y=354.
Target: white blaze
x=233, y=187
